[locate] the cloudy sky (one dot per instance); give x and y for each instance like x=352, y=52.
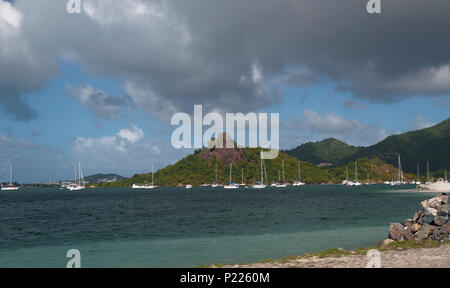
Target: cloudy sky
x=101, y=86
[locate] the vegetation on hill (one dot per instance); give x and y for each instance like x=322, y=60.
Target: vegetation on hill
x=327, y=151
x=102, y=178
x=199, y=168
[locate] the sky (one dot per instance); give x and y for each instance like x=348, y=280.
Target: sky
x=101, y=86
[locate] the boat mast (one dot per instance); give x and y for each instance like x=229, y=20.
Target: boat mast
x=418, y=175
x=75, y=174
x=216, y=174
x=283, y=171
x=10, y=175
x=428, y=171
x=356, y=171
x=242, y=176
x=231, y=167
x=81, y=175
x=299, y=172
x=261, y=169
x=153, y=174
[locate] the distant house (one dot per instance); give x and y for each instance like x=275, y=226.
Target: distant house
x=324, y=165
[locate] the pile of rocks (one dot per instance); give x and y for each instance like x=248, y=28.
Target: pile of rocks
x=429, y=223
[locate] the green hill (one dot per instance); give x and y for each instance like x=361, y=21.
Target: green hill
x=417, y=147
x=199, y=168
x=327, y=151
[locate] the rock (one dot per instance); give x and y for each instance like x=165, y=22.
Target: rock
x=433, y=203
x=427, y=219
x=417, y=216
x=408, y=222
x=445, y=231
x=408, y=233
x=385, y=242
x=444, y=210
x=439, y=220
x=396, y=231
x=430, y=212
x=416, y=227
x=437, y=235
x=424, y=232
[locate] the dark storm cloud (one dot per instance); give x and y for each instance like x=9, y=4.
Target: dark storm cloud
x=230, y=55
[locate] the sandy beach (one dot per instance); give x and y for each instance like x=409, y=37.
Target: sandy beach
x=393, y=257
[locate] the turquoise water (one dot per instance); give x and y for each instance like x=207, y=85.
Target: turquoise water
x=188, y=228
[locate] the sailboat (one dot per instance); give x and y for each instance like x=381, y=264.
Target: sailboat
x=79, y=181
x=232, y=185
x=400, y=173
x=418, y=176
x=283, y=184
x=428, y=173
x=242, y=178
x=10, y=186
x=260, y=185
x=346, y=181
x=299, y=181
x=356, y=183
x=146, y=186
x=368, y=181
x=215, y=185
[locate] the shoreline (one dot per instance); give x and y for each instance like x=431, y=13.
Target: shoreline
x=400, y=254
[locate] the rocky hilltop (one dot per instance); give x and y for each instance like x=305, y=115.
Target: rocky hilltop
x=429, y=223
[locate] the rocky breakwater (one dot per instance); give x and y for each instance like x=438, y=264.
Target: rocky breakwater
x=429, y=223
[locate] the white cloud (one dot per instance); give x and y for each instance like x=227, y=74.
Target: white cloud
x=328, y=125
x=126, y=153
x=10, y=18
x=419, y=123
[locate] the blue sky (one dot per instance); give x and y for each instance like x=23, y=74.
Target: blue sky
x=100, y=87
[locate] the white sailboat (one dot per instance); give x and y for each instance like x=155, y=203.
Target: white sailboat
x=299, y=181
x=400, y=173
x=418, y=176
x=215, y=185
x=10, y=186
x=356, y=183
x=146, y=186
x=232, y=185
x=79, y=181
x=283, y=184
x=346, y=181
x=260, y=185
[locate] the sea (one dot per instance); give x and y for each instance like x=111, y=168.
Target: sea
x=177, y=227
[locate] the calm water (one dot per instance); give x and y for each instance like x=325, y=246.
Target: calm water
x=188, y=228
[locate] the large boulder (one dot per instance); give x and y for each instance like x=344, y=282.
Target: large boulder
x=440, y=221
x=444, y=210
x=396, y=231
x=427, y=219
x=445, y=231
x=424, y=232
x=416, y=227
x=408, y=233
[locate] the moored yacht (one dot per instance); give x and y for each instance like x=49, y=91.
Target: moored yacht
x=79, y=180
x=232, y=185
x=260, y=185
x=299, y=181
x=10, y=186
